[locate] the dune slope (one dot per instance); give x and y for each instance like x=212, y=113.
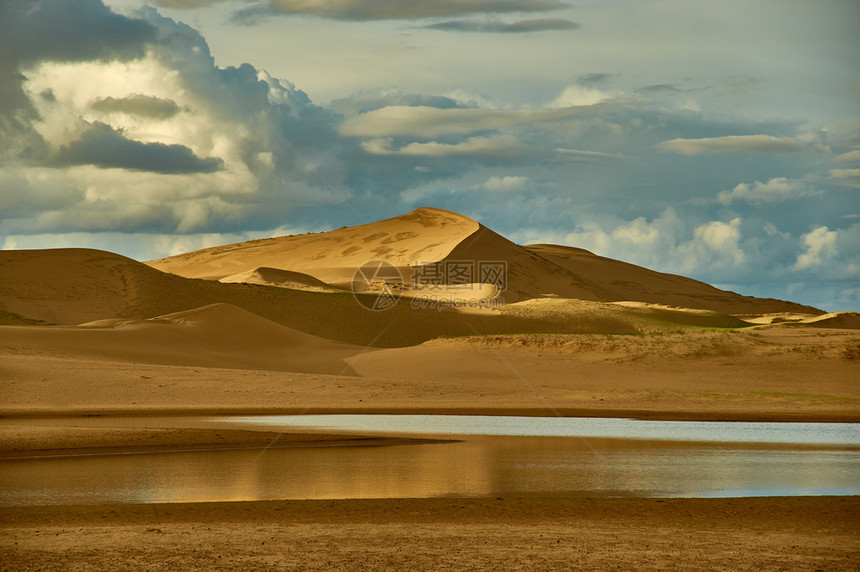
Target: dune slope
x=630, y=282
x=218, y=335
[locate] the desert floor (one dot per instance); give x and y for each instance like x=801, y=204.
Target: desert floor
x=806, y=533
x=781, y=374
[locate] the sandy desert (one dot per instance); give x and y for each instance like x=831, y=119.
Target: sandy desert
x=282, y=327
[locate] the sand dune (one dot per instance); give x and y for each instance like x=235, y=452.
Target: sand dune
x=218, y=335
x=332, y=257
x=277, y=277
x=73, y=286
x=847, y=320
x=550, y=289
x=630, y=282
x=430, y=238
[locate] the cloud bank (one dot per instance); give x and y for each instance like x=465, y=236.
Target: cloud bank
x=122, y=132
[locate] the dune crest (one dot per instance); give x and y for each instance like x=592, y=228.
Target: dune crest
x=424, y=234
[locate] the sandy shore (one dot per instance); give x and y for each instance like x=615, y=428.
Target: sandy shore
x=804, y=533
x=29, y=440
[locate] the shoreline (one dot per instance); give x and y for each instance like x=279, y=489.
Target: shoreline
x=638, y=414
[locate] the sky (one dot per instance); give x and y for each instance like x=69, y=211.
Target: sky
x=717, y=140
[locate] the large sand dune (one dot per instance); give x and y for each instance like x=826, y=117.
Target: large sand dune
x=428, y=237
x=332, y=257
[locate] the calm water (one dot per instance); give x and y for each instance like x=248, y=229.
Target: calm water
x=523, y=464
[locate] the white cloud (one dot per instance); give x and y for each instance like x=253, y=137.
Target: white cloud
x=732, y=144
x=722, y=239
x=820, y=247
x=666, y=243
x=576, y=95
x=774, y=191
x=507, y=184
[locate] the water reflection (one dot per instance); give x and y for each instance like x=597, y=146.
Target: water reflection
x=481, y=466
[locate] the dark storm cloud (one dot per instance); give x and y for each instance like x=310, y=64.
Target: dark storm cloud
x=68, y=31
x=138, y=104
x=104, y=147
x=520, y=27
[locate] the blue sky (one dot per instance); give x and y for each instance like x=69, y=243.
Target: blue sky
x=716, y=140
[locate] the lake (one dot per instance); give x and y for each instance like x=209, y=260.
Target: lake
x=495, y=456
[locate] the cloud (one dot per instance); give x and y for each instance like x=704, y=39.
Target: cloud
x=488, y=147
x=69, y=31
x=575, y=95
x=846, y=177
x=393, y=9
x=662, y=88
x=509, y=184
x=498, y=27
x=106, y=148
x=820, y=247
x=187, y=4
x=426, y=121
x=138, y=104
x=592, y=78
x=142, y=246
x=774, y=191
x=732, y=144
x=583, y=155
x=723, y=239
x=849, y=156
x=363, y=102
x=164, y=140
